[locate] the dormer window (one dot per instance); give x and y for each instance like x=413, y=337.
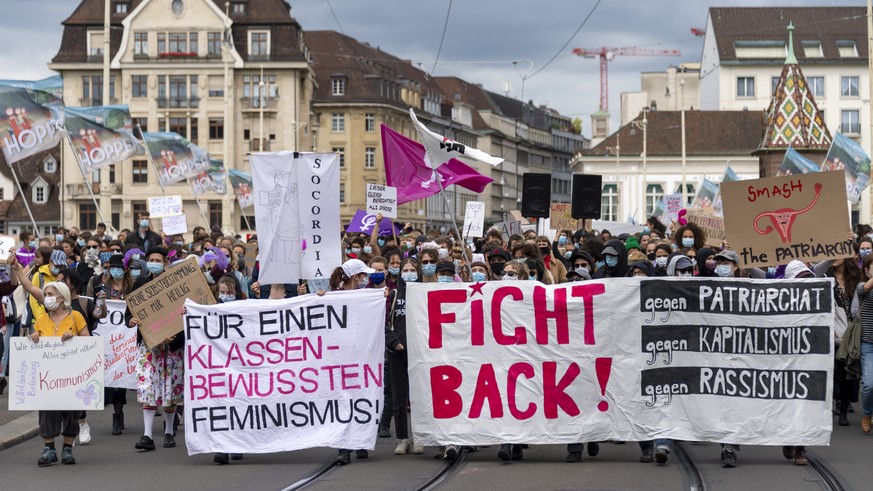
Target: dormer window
x=40, y=192
x=238, y=7
x=121, y=7
x=847, y=48
x=50, y=165
x=338, y=86
x=812, y=49
x=95, y=42
x=259, y=44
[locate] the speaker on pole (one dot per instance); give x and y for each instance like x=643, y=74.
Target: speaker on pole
x=586, y=196
x=536, y=195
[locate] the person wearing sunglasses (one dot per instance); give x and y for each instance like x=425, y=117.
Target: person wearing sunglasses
x=428, y=259
x=90, y=262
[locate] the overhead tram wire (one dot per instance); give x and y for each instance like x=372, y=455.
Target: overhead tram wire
x=442, y=38
x=335, y=18
x=561, y=50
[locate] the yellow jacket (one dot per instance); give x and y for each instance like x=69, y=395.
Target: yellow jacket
x=41, y=278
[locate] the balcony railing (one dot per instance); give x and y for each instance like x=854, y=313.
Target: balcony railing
x=178, y=103
x=255, y=102
x=96, y=102
x=255, y=145
x=80, y=190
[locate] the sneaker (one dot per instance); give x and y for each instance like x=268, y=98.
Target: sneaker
x=504, y=452
x=593, y=449
x=415, y=449
x=145, y=443
x=800, y=457
x=84, y=433
x=362, y=454
x=647, y=457
x=402, y=447
x=728, y=458
x=574, y=457
x=384, y=433
x=788, y=452
x=661, y=455
x=343, y=457
x=67, y=456
x=169, y=441
x=451, y=453
x=221, y=458
x=49, y=456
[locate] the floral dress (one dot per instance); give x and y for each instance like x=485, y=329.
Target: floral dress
x=160, y=376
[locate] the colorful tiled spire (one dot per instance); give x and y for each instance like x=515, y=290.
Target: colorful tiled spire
x=793, y=119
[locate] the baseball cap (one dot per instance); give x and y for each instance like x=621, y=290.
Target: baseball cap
x=445, y=266
x=59, y=258
x=356, y=266
x=728, y=255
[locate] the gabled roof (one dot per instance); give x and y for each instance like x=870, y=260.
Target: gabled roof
x=30, y=170
x=474, y=95
x=793, y=119
x=827, y=25
x=707, y=133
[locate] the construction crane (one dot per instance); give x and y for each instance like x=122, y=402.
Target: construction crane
x=608, y=54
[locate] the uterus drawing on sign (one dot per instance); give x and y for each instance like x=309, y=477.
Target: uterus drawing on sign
x=287, y=234
x=783, y=218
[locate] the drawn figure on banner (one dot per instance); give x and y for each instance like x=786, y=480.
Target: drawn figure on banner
x=783, y=218
x=288, y=233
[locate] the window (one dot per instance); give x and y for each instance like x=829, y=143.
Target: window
x=112, y=172
x=50, y=165
x=342, y=193
x=370, y=158
x=259, y=43
x=337, y=122
x=140, y=172
x=193, y=134
x=774, y=82
x=847, y=48
x=215, y=213
x=216, y=86
x=609, y=203
x=95, y=43
x=194, y=43
x=252, y=88
x=238, y=8
x=92, y=88
x=162, y=42
x=120, y=8
x=812, y=49
x=179, y=125
x=246, y=222
x=141, y=123
x=178, y=89
x=850, y=121
x=87, y=216
x=216, y=128
x=369, y=122
x=341, y=152
x=654, y=193
x=139, y=86
x=247, y=134
x=140, y=43
x=192, y=81
x=213, y=43
x=816, y=85
x=849, y=86
x=745, y=86
x=178, y=42
x=40, y=193
x=338, y=86
x=689, y=192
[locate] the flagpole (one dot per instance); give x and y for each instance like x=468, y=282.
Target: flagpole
x=244, y=215
x=88, y=185
x=149, y=157
x=24, y=199
x=454, y=223
x=199, y=204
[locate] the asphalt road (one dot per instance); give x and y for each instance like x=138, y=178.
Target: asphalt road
x=113, y=459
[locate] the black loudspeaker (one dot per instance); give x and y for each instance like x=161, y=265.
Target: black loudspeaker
x=586, y=196
x=536, y=195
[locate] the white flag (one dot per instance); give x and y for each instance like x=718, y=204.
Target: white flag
x=439, y=149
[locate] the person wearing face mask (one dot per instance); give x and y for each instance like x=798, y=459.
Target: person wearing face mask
x=445, y=272
x=160, y=368
x=515, y=271
x=727, y=264
x=63, y=322
x=556, y=272
x=480, y=272
x=680, y=265
x=379, y=279
x=90, y=263
x=497, y=259
x=228, y=290
x=641, y=269
x=662, y=256
x=143, y=237
x=26, y=253
x=428, y=259
x=582, y=263
x=865, y=247
x=47, y=273
x=394, y=259
x=615, y=261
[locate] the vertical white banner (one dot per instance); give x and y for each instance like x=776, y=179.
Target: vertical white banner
x=318, y=178
x=119, y=347
x=474, y=219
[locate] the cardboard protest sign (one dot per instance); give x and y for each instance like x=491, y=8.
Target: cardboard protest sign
x=474, y=219
x=119, y=347
x=712, y=226
x=159, y=303
x=560, y=217
x=508, y=229
x=55, y=375
x=672, y=206
x=382, y=199
x=720, y=360
x=774, y=220
x=174, y=225
x=165, y=206
x=280, y=375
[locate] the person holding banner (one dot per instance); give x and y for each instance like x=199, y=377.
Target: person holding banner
x=229, y=290
x=160, y=369
x=59, y=321
x=615, y=259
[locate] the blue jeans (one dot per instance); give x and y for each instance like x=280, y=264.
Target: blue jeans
x=653, y=444
x=867, y=378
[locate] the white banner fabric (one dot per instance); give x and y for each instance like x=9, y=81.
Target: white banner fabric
x=119, y=347
x=273, y=376
x=55, y=375
x=722, y=360
x=298, y=213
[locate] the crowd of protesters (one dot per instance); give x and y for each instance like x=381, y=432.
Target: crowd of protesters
x=57, y=286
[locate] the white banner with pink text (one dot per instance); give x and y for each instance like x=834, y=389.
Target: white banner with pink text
x=267, y=376
x=629, y=359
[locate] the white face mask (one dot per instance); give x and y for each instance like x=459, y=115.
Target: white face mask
x=443, y=252
x=51, y=302
x=661, y=261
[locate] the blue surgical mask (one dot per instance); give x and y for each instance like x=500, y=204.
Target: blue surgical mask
x=445, y=279
x=59, y=238
x=723, y=270
x=381, y=242
x=599, y=264
x=143, y=223
x=377, y=278
x=80, y=242
x=348, y=250
x=428, y=269
x=410, y=277
x=479, y=276
x=562, y=240
x=368, y=249
x=155, y=268
x=687, y=241
x=611, y=261
x=771, y=271
x=646, y=230
x=532, y=277
x=863, y=253
x=394, y=271
x=54, y=270
x=135, y=272
x=32, y=244
x=226, y=297
x=116, y=273
x=567, y=254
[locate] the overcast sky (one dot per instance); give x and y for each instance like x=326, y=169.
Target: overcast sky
x=483, y=39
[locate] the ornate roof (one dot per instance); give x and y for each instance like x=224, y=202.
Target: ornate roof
x=793, y=119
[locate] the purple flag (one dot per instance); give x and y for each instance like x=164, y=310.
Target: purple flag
x=364, y=222
x=405, y=170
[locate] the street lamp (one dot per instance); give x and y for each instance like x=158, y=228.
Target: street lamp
x=263, y=100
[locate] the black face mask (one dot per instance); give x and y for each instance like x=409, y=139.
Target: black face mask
x=545, y=251
x=651, y=256
x=497, y=268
